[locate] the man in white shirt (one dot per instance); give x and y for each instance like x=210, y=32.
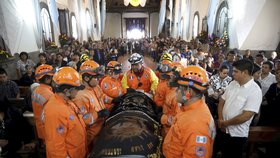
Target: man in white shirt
x=267, y=78
x=236, y=109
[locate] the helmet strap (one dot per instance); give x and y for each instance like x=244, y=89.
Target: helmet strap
x=186, y=95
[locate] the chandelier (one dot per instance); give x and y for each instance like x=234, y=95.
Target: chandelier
x=135, y=3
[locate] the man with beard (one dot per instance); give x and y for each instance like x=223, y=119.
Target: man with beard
x=139, y=77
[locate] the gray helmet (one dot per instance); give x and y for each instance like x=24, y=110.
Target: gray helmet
x=135, y=58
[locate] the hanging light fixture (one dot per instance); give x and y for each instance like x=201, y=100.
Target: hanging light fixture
x=142, y=3
x=126, y=2
x=135, y=3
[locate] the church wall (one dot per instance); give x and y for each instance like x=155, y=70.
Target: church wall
x=114, y=20
x=113, y=25
x=242, y=18
x=265, y=33
x=154, y=20
x=202, y=7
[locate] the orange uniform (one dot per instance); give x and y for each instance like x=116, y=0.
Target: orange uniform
x=64, y=128
x=112, y=87
x=100, y=100
x=87, y=102
x=148, y=80
x=40, y=97
x=192, y=133
x=170, y=109
x=102, y=97
x=160, y=92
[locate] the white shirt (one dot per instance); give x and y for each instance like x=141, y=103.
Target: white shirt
x=237, y=99
x=266, y=82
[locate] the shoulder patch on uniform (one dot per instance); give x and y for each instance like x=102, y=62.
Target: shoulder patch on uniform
x=200, y=151
x=60, y=129
x=83, y=109
x=71, y=117
x=201, y=139
x=105, y=85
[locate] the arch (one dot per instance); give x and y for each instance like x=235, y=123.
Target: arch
x=73, y=24
x=195, y=24
x=47, y=24
x=89, y=23
x=221, y=22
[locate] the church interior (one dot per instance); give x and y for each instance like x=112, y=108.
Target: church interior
x=208, y=34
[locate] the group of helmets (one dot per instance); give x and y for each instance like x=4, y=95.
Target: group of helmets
x=191, y=76
x=69, y=76
x=63, y=76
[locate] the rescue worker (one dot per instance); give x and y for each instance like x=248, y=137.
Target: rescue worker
x=41, y=95
x=65, y=132
x=88, y=102
x=193, y=130
x=160, y=93
x=166, y=57
x=166, y=96
x=139, y=77
x=111, y=85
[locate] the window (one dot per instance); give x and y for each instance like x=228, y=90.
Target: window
x=46, y=23
x=195, y=24
x=74, y=27
x=221, y=23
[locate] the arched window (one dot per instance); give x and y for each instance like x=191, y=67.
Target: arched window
x=89, y=23
x=221, y=23
x=195, y=24
x=74, y=27
x=46, y=23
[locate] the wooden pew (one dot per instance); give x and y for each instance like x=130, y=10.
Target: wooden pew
x=261, y=134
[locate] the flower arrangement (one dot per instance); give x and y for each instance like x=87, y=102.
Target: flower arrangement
x=4, y=55
x=223, y=41
x=64, y=40
x=49, y=45
x=213, y=40
x=203, y=37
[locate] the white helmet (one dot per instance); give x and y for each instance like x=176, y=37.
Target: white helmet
x=135, y=58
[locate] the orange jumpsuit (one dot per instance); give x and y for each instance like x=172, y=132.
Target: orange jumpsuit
x=64, y=128
x=192, y=133
x=40, y=97
x=148, y=79
x=112, y=87
x=160, y=92
x=87, y=102
x=102, y=97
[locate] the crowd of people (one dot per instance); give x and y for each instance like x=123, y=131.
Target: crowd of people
x=208, y=98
